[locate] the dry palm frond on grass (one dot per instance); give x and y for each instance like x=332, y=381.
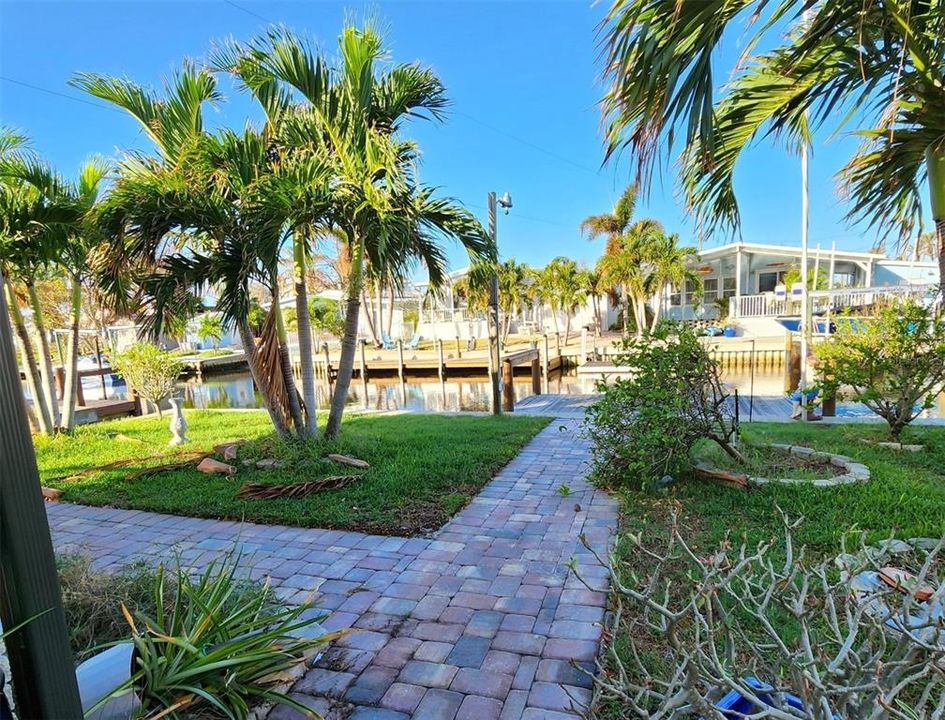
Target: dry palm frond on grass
x=261, y=491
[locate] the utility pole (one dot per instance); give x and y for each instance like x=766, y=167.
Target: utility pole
x=494, y=331
x=43, y=673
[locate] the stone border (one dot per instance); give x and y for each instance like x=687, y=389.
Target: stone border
x=854, y=472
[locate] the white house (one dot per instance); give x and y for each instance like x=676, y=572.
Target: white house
x=751, y=276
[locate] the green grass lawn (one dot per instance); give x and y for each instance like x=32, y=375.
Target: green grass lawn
x=423, y=468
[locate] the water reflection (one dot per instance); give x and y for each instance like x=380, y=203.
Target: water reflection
x=416, y=393
x=466, y=394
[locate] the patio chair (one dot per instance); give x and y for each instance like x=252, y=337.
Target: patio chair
x=414, y=342
x=386, y=342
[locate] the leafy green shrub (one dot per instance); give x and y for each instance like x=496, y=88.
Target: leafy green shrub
x=220, y=644
x=645, y=424
x=150, y=371
x=893, y=362
x=92, y=599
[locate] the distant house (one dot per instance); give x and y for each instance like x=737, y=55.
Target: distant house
x=751, y=277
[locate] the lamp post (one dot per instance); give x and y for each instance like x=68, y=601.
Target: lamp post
x=505, y=202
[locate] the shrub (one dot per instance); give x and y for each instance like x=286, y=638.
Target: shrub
x=215, y=647
x=893, y=362
x=150, y=371
x=646, y=424
x=93, y=599
x=692, y=627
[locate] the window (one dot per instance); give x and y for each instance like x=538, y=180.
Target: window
x=767, y=281
x=675, y=298
x=690, y=292
x=844, y=279
x=728, y=287
x=710, y=289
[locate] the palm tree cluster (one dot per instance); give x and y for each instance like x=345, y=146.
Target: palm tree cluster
x=877, y=68
x=327, y=170
x=640, y=259
x=45, y=231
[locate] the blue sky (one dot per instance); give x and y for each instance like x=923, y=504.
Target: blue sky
x=522, y=77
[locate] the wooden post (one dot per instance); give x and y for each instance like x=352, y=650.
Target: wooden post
x=536, y=376
x=583, y=346
x=41, y=662
x=788, y=346
x=544, y=362
x=441, y=365
x=459, y=353
x=558, y=344
x=327, y=363
x=400, y=360
x=60, y=373
x=79, y=392
x=98, y=356
x=508, y=389
x=136, y=399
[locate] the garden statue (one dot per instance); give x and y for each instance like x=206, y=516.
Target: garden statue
x=178, y=423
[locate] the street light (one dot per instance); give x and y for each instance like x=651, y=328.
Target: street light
x=506, y=203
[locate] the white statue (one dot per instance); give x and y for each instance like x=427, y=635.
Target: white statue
x=178, y=423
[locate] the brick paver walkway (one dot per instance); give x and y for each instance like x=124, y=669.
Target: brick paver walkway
x=483, y=621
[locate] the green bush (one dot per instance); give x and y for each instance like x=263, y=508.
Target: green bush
x=150, y=371
x=893, y=362
x=645, y=424
x=220, y=645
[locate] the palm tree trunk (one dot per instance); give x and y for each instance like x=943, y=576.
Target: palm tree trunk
x=595, y=302
x=659, y=309
x=262, y=384
x=71, y=389
x=33, y=382
x=304, y=328
x=567, y=326
x=349, y=342
x=935, y=165
x=390, y=312
x=285, y=361
x=49, y=381
x=626, y=311
x=640, y=304
x=369, y=316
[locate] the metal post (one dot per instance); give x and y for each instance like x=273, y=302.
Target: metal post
x=805, y=309
x=494, y=358
x=43, y=673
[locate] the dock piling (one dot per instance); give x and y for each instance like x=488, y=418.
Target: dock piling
x=544, y=362
x=441, y=364
x=508, y=388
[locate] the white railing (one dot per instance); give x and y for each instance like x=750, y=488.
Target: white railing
x=766, y=305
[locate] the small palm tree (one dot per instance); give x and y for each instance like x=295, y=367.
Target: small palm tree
x=670, y=267
x=210, y=327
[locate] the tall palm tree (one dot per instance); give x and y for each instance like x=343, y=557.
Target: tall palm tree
x=512, y=277
x=385, y=218
x=209, y=209
x=877, y=64
x=596, y=288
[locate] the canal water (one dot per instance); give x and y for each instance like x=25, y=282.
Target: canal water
x=427, y=393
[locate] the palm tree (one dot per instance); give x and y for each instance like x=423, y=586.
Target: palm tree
x=596, y=288
x=385, y=218
x=670, y=267
x=625, y=239
x=512, y=276
x=208, y=210
x=46, y=228
x=879, y=63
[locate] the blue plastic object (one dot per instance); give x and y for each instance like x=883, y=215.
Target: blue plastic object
x=738, y=705
x=730, y=331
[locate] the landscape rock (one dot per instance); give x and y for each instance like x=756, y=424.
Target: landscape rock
x=268, y=464
x=894, y=546
x=348, y=460
x=211, y=466
x=227, y=450
x=51, y=493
